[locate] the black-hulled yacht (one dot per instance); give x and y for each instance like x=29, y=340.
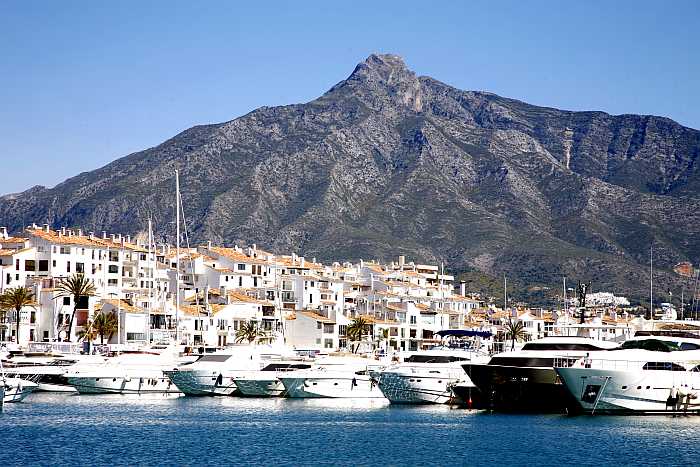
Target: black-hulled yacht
x=525, y=380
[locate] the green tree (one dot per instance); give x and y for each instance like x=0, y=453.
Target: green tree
x=249, y=332
x=515, y=331
x=16, y=299
x=76, y=286
x=105, y=324
x=357, y=330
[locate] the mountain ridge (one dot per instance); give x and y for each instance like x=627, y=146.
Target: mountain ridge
x=386, y=162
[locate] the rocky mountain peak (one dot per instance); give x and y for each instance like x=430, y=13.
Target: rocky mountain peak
x=382, y=79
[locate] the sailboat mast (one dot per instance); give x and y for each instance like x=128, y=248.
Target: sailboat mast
x=177, y=257
x=565, y=305
x=651, y=282
x=505, y=292
x=150, y=277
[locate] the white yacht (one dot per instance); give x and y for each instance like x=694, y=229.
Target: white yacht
x=524, y=380
x=266, y=382
x=48, y=370
x=648, y=374
x=428, y=376
x=15, y=389
x=334, y=377
x=128, y=373
x=214, y=374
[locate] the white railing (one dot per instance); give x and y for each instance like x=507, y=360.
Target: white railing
x=623, y=364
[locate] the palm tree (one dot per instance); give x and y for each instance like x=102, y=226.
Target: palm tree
x=75, y=286
x=16, y=299
x=356, y=331
x=249, y=332
x=88, y=334
x=515, y=331
x=105, y=324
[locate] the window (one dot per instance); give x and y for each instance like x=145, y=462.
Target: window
x=113, y=269
x=53, y=263
x=342, y=330
x=32, y=317
x=240, y=282
x=663, y=366
x=80, y=268
x=17, y=264
x=319, y=325
x=112, y=282
x=328, y=343
x=66, y=300
x=241, y=267
x=413, y=319
x=43, y=265
x=412, y=333
x=29, y=265
x=114, y=256
x=65, y=250
x=328, y=328
x=68, y=266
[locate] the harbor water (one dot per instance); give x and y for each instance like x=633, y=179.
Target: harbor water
x=54, y=429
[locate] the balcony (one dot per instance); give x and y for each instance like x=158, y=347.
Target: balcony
x=288, y=297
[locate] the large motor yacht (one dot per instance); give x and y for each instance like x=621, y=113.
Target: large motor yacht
x=427, y=377
x=524, y=380
x=138, y=372
x=648, y=374
x=48, y=370
x=215, y=374
x=334, y=377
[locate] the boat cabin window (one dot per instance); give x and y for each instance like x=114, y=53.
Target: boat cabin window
x=434, y=359
x=531, y=361
x=286, y=366
x=560, y=346
x=655, y=345
x=689, y=346
x=213, y=358
x=663, y=366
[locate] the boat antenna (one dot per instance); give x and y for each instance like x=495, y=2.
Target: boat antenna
x=651, y=283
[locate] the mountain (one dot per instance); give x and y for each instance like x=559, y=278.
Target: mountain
x=388, y=163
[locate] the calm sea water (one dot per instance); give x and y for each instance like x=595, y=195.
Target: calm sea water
x=145, y=430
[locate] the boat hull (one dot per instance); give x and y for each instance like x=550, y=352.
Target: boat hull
x=402, y=388
x=332, y=387
x=605, y=391
x=519, y=389
x=122, y=385
x=200, y=383
x=271, y=387
x=16, y=389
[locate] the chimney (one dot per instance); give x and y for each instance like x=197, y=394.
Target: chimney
x=92, y=235
x=121, y=240
x=209, y=245
x=128, y=239
x=114, y=237
x=63, y=230
x=463, y=288
x=301, y=261
x=254, y=247
x=104, y=234
x=46, y=228
x=80, y=232
x=402, y=261
x=70, y=232
x=362, y=263
x=34, y=226
x=3, y=233
x=313, y=260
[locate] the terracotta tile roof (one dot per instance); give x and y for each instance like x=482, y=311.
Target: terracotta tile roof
x=235, y=255
x=83, y=240
x=287, y=261
x=119, y=304
x=242, y=298
x=11, y=252
x=13, y=240
x=316, y=316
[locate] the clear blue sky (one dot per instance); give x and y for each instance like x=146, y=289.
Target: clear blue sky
x=83, y=83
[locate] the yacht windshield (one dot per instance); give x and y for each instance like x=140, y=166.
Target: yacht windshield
x=434, y=359
x=654, y=345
